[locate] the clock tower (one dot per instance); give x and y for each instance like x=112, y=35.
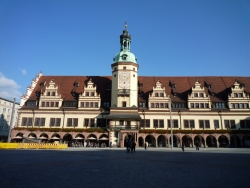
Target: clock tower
x=124, y=74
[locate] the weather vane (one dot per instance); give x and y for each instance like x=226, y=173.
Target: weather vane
x=125, y=26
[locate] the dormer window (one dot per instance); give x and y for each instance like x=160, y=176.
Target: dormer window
x=124, y=57
x=240, y=95
x=53, y=93
x=76, y=84
x=87, y=93
x=48, y=93
x=195, y=94
x=236, y=95
x=172, y=85
x=201, y=94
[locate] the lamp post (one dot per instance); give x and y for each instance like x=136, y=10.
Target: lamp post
x=179, y=112
x=143, y=112
x=12, y=113
x=220, y=119
x=102, y=110
x=170, y=110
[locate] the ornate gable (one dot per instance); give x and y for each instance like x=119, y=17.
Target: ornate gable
x=238, y=98
x=198, y=99
x=158, y=99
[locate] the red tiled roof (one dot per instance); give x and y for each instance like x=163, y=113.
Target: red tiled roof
x=221, y=86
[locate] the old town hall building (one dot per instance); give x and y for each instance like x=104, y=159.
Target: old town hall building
x=213, y=110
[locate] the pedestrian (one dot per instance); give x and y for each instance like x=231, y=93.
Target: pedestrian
x=197, y=144
x=133, y=147
x=182, y=146
x=146, y=145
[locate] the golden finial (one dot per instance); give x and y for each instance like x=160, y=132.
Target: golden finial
x=125, y=26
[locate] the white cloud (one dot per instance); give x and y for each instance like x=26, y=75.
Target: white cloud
x=9, y=88
x=23, y=71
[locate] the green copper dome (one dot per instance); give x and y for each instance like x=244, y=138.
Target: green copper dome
x=125, y=55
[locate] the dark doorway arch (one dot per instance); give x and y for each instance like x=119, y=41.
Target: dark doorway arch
x=151, y=141
x=162, y=141
x=223, y=141
x=176, y=141
x=141, y=142
x=187, y=141
x=211, y=141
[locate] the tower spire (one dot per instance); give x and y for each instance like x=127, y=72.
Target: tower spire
x=125, y=39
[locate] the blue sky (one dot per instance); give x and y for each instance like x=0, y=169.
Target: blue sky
x=169, y=38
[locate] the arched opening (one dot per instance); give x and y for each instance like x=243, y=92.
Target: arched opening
x=32, y=136
x=223, y=141
x=234, y=141
x=162, y=141
x=176, y=141
x=91, y=141
x=103, y=141
x=141, y=142
x=211, y=141
x=200, y=140
x=55, y=138
x=127, y=137
x=187, y=140
x=151, y=141
x=43, y=137
x=18, y=138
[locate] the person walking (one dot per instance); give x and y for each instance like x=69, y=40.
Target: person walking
x=197, y=144
x=133, y=147
x=146, y=145
x=182, y=146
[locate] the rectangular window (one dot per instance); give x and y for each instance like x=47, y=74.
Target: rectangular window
x=87, y=93
x=201, y=124
x=226, y=123
x=206, y=105
x=161, y=105
x=69, y=122
x=176, y=123
x=166, y=105
x=37, y=121
x=161, y=121
x=155, y=123
x=82, y=104
x=47, y=104
x=86, y=122
x=91, y=104
x=52, y=104
x=57, y=104
x=92, y=122
x=202, y=105
x=96, y=104
x=195, y=94
x=43, y=104
x=161, y=95
x=216, y=124
x=196, y=105
x=157, y=105
x=191, y=123
x=87, y=104
x=24, y=121
x=29, y=121
x=52, y=122
x=121, y=122
x=201, y=94
x=48, y=93
x=124, y=104
x=92, y=94
x=232, y=124
x=186, y=124
x=147, y=121
x=42, y=122
x=75, y=122
x=53, y=93
x=207, y=124
x=242, y=124
x=128, y=123
x=58, y=122
x=152, y=105
x=156, y=95
x=192, y=105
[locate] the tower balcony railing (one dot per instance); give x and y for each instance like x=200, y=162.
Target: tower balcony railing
x=123, y=91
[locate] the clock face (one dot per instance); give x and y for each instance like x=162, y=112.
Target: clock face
x=124, y=80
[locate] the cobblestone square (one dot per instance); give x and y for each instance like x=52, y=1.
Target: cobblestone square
x=113, y=167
